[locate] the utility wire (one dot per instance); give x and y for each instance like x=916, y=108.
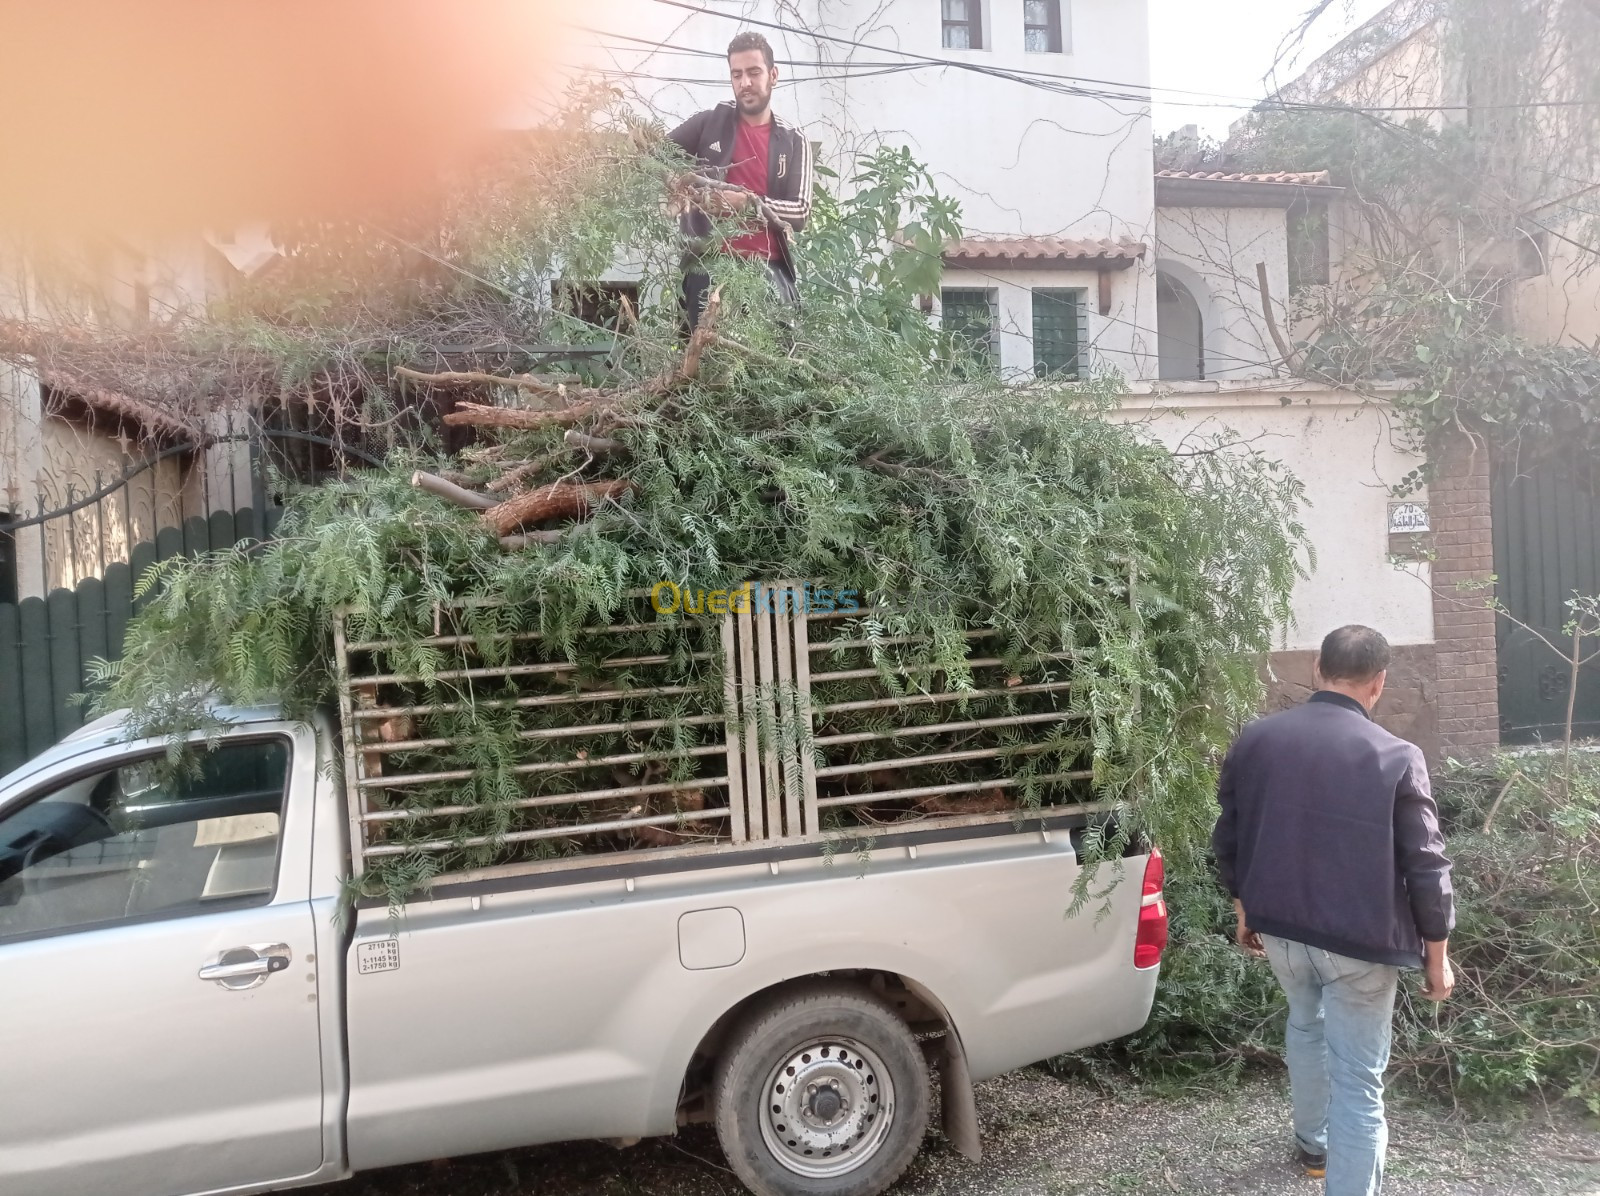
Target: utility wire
x=1071, y=84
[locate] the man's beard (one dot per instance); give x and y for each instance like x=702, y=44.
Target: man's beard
x=754, y=102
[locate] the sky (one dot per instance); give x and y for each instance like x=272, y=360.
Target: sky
x=1224, y=47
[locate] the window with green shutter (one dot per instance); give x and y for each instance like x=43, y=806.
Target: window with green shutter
x=1058, y=332
x=968, y=316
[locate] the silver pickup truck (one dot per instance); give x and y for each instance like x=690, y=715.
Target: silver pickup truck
x=194, y=1003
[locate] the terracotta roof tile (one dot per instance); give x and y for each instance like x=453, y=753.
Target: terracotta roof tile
x=1043, y=250
x=1298, y=178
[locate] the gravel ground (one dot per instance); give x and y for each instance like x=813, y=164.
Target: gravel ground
x=1052, y=1137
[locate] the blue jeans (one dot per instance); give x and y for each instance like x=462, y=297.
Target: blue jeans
x=1337, y=1045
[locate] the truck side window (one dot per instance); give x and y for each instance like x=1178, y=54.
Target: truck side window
x=137, y=841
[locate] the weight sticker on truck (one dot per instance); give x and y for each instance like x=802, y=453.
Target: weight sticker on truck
x=378, y=955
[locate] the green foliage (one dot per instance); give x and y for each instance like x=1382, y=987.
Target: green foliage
x=828, y=443
x=1526, y=1011
x=870, y=256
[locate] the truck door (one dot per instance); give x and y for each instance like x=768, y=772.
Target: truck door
x=160, y=1033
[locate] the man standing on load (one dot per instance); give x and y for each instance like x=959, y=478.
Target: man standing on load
x=766, y=165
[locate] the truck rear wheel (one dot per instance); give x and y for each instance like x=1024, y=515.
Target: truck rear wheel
x=822, y=1092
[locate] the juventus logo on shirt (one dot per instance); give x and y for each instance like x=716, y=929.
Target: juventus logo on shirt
x=783, y=165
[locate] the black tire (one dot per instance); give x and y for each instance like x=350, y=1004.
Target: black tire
x=856, y=1037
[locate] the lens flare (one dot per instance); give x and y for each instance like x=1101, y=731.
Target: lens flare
x=163, y=114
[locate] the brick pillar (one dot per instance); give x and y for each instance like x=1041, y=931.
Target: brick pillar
x=1463, y=621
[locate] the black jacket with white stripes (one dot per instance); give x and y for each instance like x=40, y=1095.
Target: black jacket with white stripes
x=708, y=137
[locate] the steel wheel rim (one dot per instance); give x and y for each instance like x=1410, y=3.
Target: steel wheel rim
x=827, y=1107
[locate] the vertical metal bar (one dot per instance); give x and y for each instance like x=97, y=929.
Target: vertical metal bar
x=202, y=462
x=804, y=744
x=355, y=795
x=99, y=527
x=789, y=760
x=769, y=704
x=730, y=703
x=126, y=490
x=258, y=474
x=72, y=537
x=44, y=550
x=747, y=710
x=233, y=467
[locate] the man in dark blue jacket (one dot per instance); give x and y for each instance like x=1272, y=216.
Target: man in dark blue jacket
x=1329, y=843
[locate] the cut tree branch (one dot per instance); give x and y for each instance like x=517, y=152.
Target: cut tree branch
x=480, y=415
x=774, y=221
x=559, y=500
x=517, y=474
x=451, y=492
x=598, y=446
x=543, y=385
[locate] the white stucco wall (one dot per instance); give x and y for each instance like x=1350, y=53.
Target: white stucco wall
x=1562, y=305
x=1347, y=453
x=1213, y=252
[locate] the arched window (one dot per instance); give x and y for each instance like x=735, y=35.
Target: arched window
x=1180, y=331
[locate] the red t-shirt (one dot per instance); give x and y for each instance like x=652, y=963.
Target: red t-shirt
x=748, y=168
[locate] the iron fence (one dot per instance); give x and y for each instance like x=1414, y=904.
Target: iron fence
x=69, y=569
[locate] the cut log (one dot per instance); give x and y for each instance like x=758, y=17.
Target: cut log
x=450, y=492
x=541, y=384
x=481, y=416
x=559, y=500
x=598, y=446
x=517, y=474
x=992, y=801
x=704, y=333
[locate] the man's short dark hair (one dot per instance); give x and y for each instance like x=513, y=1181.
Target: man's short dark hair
x=1354, y=653
x=751, y=41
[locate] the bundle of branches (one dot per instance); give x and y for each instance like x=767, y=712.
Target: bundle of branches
x=840, y=443
x=1524, y=835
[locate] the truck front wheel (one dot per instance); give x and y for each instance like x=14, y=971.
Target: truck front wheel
x=821, y=1092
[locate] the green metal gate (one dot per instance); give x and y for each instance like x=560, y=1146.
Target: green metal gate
x=46, y=643
x=50, y=629
x=1546, y=547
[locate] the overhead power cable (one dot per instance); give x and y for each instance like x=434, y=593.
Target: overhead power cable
x=1075, y=84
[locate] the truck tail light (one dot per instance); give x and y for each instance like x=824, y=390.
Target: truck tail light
x=1151, y=940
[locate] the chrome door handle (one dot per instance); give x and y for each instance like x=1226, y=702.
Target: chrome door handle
x=246, y=967
x=233, y=971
